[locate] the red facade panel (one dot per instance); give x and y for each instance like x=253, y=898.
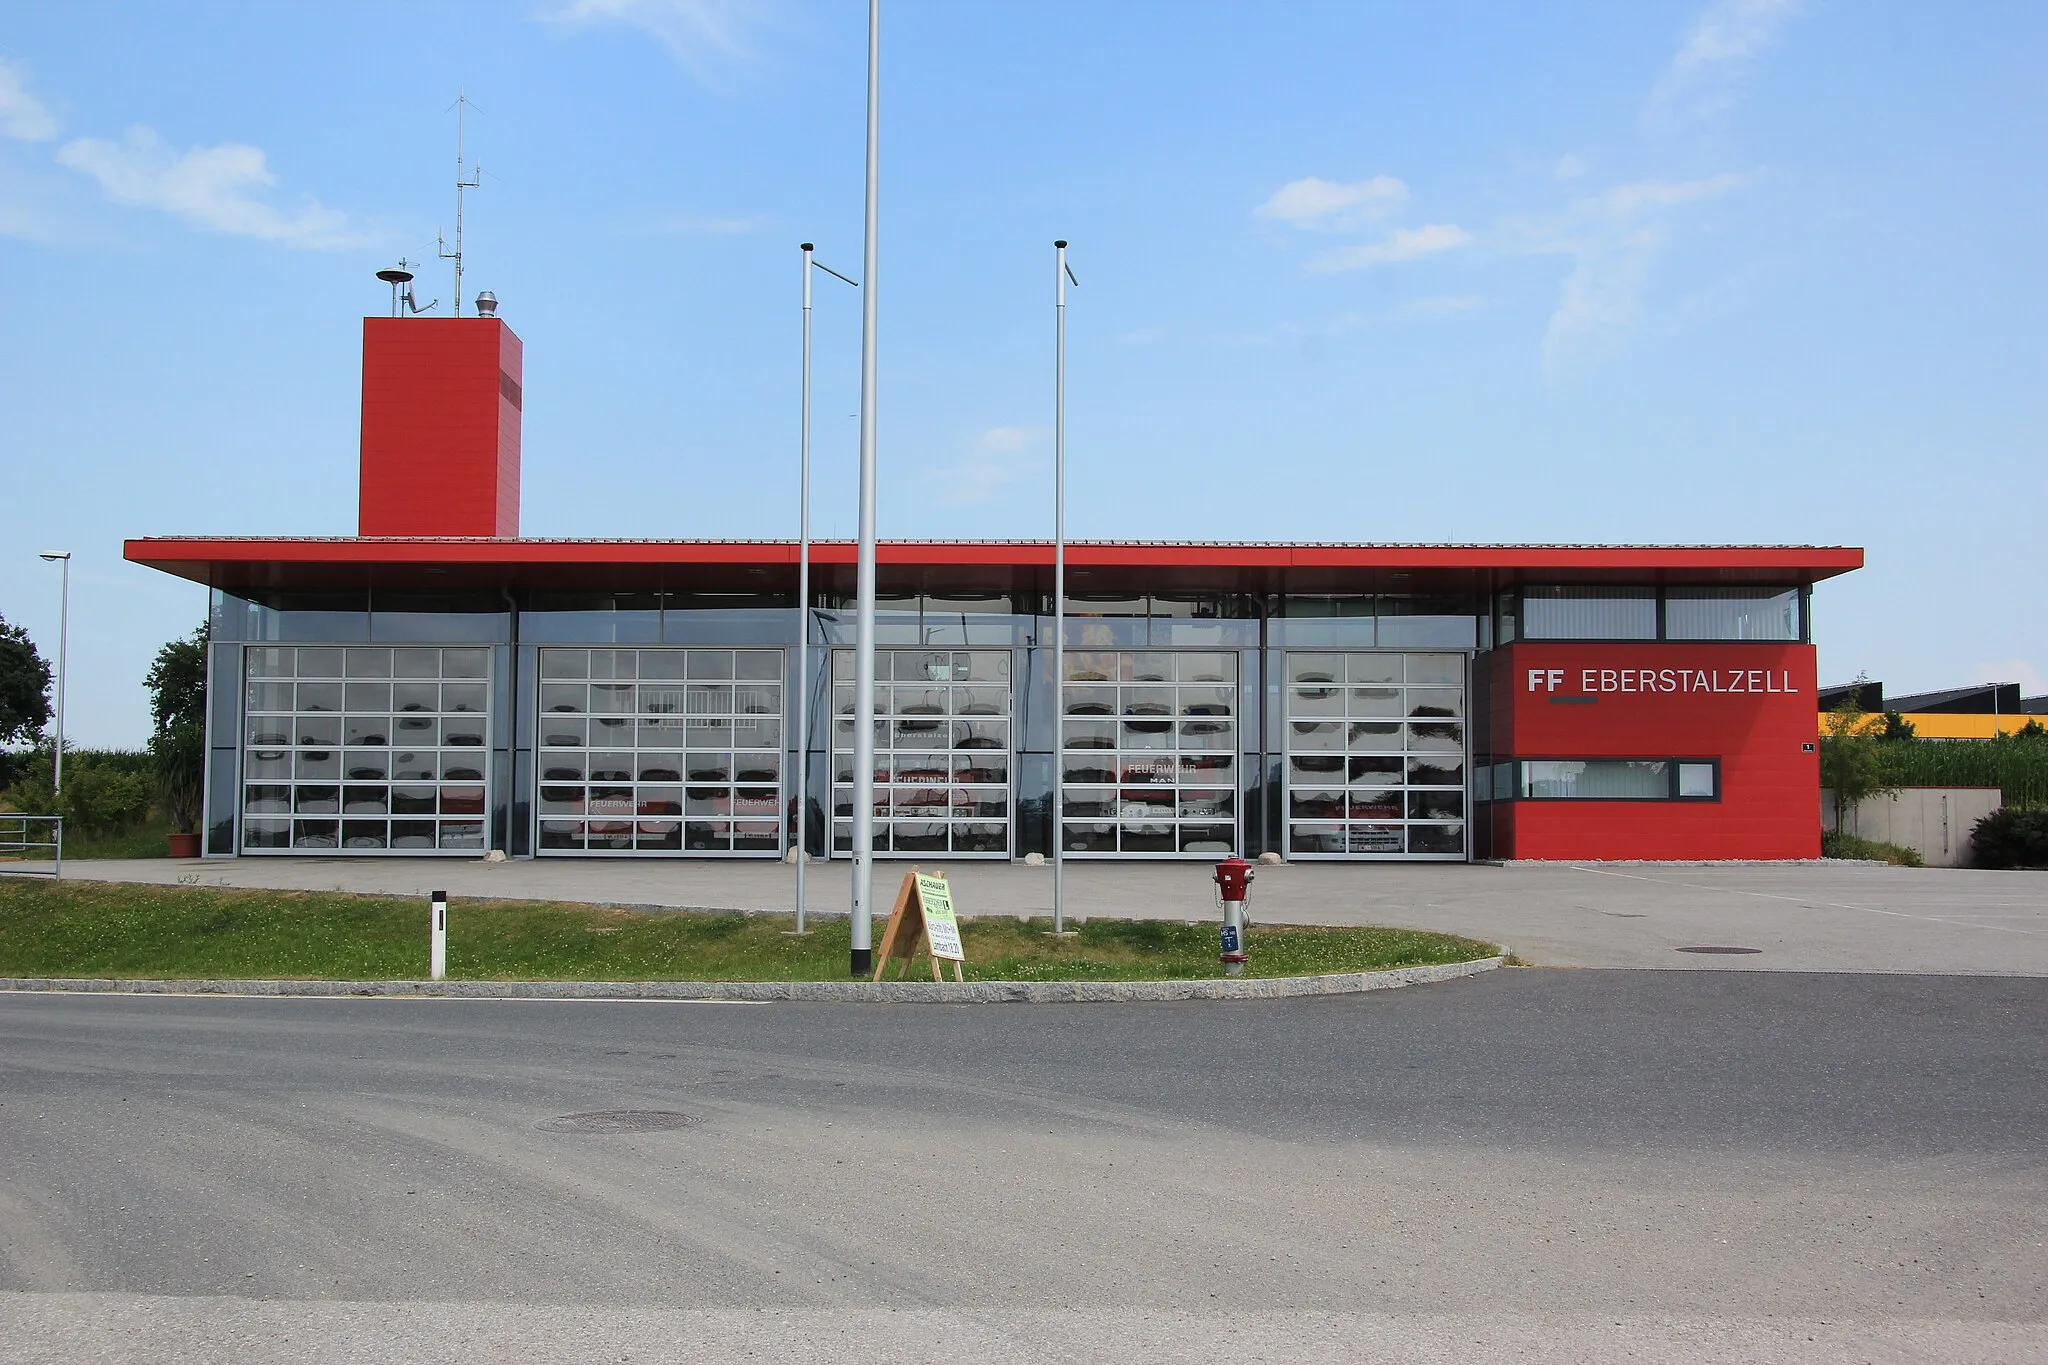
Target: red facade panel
x=440, y=438
x=1749, y=706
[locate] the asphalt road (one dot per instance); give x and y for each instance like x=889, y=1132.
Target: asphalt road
x=1533, y=1165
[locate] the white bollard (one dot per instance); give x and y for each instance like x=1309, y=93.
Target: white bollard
x=437, y=938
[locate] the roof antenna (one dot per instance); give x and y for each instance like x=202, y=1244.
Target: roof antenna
x=400, y=280
x=474, y=180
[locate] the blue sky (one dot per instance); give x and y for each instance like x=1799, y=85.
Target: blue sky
x=1741, y=271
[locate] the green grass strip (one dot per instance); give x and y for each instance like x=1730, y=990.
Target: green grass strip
x=105, y=929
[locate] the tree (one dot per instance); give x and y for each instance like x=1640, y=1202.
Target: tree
x=1850, y=763
x=24, y=687
x=1896, y=726
x=177, y=746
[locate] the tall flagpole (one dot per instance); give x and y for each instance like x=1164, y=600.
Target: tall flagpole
x=803, y=618
x=861, y=959
x=1059, y=589
x=803, y=603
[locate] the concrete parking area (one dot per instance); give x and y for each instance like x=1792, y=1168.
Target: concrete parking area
x=1848, y=917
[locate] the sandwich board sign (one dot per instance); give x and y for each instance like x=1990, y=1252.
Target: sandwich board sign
x=924, y=911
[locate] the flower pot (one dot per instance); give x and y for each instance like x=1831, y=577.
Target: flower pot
x=184, y=845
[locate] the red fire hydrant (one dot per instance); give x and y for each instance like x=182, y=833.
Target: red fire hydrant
x=1233, y=885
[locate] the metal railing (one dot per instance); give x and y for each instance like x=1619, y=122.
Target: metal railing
x=32, y=845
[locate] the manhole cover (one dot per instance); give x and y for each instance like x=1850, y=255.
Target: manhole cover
x=617, y=1121
x=1720, y=950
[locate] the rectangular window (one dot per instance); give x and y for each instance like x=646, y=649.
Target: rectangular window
x=1616, y=779
x=1619, y=779
x=1696, y=781
x=1731, y=614
x=1567, y=613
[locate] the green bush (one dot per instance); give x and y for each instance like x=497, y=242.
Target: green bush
x=106, y=792
x=1851, y=765
x=177, y=747
x=105, y=800
x=113, y=760
x=1834, y=844
x=2012, y=838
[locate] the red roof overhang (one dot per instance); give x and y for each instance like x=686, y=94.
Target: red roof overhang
x=431, y=563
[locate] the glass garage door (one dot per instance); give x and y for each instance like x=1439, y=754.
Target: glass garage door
x=942, y=751
x=1149, y=753
x=660, y=751
x=1376, y=755
x=364, y=749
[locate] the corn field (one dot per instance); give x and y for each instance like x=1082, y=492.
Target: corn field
x=2018, y=765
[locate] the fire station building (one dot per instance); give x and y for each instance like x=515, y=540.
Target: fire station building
x=439, y=686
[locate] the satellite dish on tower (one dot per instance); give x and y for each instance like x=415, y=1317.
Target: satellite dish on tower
x=400, y=280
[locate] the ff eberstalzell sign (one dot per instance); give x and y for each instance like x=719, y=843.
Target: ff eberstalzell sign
x=1597, y=680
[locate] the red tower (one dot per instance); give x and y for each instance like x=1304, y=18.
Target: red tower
x=440, y=451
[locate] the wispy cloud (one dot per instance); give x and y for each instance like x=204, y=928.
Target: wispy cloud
x=708, y=37
x=1402, y=244
x=998, y=456
x=1318, y=205
x=1705, y=74
x=1615, y=239
x=1329, y=205
x=218, y=188
x=23, y=117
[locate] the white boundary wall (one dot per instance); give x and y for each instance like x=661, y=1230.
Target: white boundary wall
x=1935, y=821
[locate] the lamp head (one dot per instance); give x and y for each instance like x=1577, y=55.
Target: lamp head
x=54, y=555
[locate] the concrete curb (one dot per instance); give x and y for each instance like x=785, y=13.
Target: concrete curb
x=840, y=992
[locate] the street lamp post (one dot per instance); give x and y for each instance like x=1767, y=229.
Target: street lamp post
x=861, y=936
x=803, y=604
x=63, y=651
x=1062, y=277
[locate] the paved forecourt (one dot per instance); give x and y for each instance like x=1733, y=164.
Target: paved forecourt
x=1799, y=916
x=1527, y=1166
